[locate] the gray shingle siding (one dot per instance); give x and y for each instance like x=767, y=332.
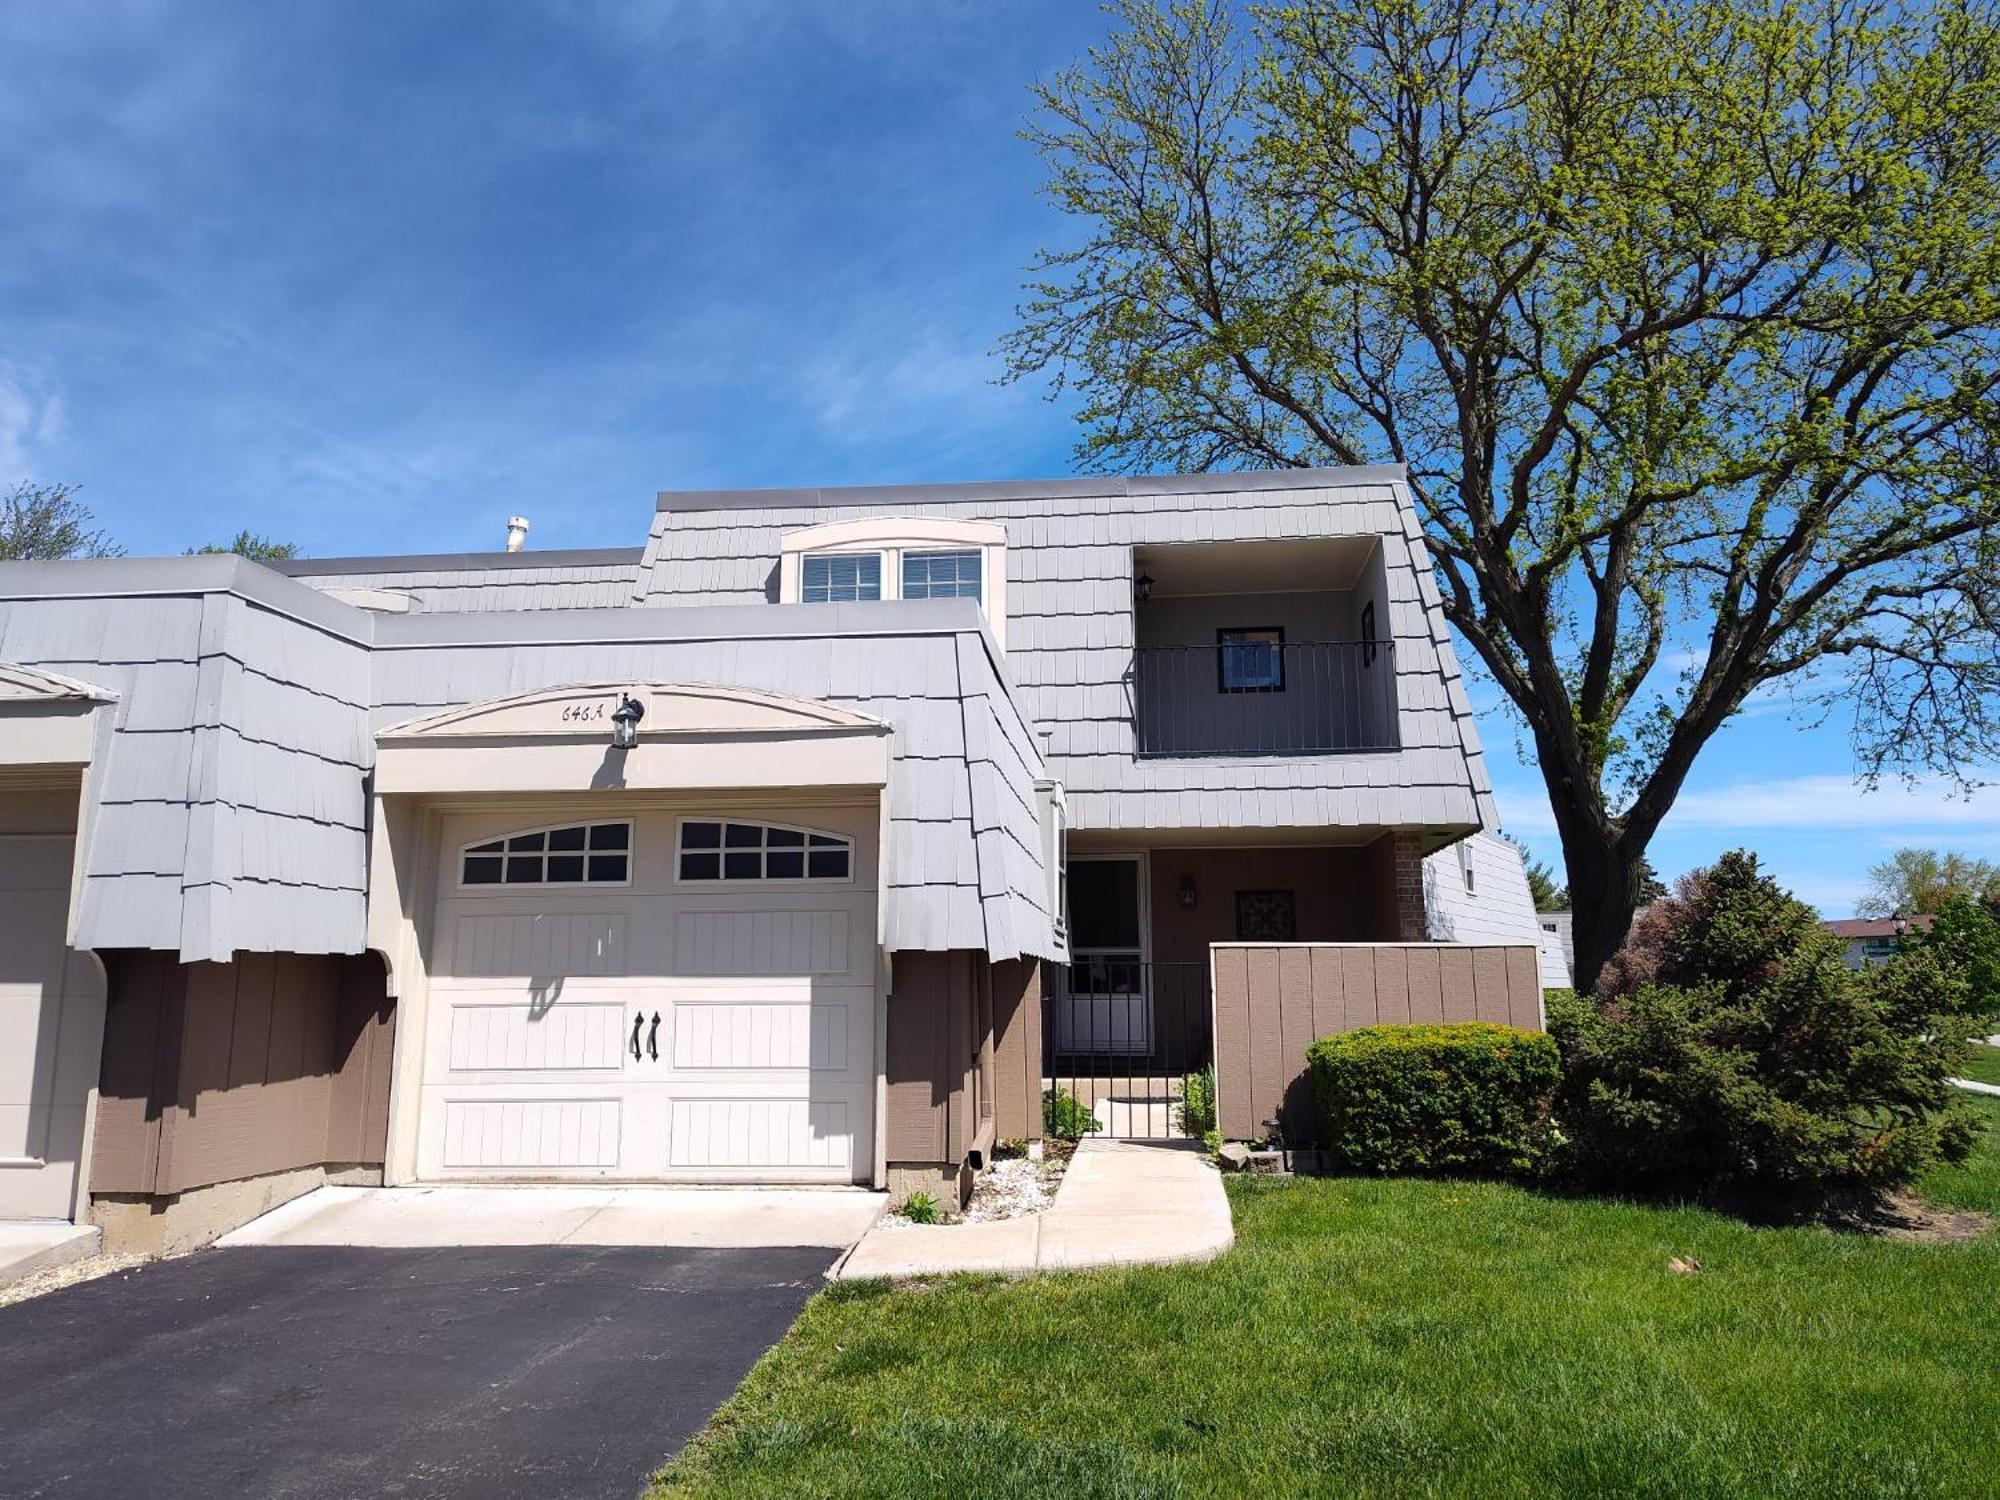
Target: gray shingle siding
x=230, y=804
x=1070, y=632
x=231, y=801
x=964, y=862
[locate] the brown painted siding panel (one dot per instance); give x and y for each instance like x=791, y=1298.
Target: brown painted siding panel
x=1273, y=1000
x=1524, y=989
x=917, y=1083
x=1270, y=1067
x=1017, y=1050
x=1329, y=994
x=1455, y=978
x=1357, y=979
x=1489, y=986
x=1426, y=988
x=1392, y=986
x=1295, y=1024
x=937, y=1036
x=959, y=1001
x=145, y=998
x=1234, y=1106
x=216, y=1072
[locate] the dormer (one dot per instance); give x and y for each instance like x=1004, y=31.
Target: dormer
x=898, y=557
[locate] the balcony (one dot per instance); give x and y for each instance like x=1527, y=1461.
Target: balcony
x=1275, y=647
x=1265, y=698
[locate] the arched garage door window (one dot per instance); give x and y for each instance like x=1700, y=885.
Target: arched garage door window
x=736, y=851
x=574, y=854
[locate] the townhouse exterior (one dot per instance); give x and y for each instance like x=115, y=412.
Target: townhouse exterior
x=807, y=842
x=1867, y=941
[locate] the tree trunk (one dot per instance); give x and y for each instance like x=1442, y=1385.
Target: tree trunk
x=1603, y=870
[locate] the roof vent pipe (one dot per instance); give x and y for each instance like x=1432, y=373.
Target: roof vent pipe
x=517, y=533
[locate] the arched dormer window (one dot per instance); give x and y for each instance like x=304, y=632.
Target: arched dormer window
x=898, y=557
x=731, y=851
x=573, y=854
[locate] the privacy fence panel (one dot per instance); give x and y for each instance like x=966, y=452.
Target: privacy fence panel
x=1273, y=1000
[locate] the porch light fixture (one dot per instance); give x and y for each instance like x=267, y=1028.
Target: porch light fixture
x=1187, y=891
x=625, y=723
x=1143, y=587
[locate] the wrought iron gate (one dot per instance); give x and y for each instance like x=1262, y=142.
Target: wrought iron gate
x=1123, y=1037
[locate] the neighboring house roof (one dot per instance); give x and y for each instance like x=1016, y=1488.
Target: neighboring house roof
x=1876, y=927
x=596, y=578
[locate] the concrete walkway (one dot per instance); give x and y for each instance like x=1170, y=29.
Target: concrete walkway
x=1973, y=1086
x=1120, y=1203
x=684, y=1217
x=31, y=1245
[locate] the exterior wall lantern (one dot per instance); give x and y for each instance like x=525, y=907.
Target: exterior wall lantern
x=1143, y=587
x=1187, y=891
x=625, y=723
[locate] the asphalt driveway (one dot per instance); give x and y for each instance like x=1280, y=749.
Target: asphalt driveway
x=484, y=1372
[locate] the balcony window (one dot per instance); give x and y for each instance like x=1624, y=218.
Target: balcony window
x=941, y=575
x=840, y=577
x=1251, y=660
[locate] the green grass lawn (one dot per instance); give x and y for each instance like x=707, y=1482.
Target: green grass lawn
x=1403, y=1338
x=1985, y=1065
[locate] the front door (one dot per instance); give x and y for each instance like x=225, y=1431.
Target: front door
x=51, y=1031
x=1106, y=1006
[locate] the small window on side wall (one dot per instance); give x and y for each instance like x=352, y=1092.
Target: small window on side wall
x=576, y=854
x=840, y=577
x=732, y=851
x=1251, y=659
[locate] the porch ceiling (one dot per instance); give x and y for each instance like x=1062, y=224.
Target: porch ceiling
x=1293, y=565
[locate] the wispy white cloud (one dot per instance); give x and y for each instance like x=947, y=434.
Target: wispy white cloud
x=33, y=418
x=1931, y=805
x=1831, y=801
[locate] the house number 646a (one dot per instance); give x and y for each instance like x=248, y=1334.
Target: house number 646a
x=577, y=713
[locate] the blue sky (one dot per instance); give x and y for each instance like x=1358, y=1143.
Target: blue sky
x=371, y=277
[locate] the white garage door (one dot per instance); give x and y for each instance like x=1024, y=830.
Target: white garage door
x=51, y=1032
x=659, y=996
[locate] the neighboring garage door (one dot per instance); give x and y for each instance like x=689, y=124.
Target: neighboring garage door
x=659, y=995
x=51, y=1031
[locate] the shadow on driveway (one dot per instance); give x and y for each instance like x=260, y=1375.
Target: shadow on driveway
x=322, y=1372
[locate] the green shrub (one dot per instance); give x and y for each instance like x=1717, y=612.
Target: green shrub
x=1468, y=1098
x=1965, y=937
x=1195, y=1113
x=1065, y=1118
x=1740, y=1053
x=920, y=1208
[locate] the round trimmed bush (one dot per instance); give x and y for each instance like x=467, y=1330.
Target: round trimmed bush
x=1468, y=1098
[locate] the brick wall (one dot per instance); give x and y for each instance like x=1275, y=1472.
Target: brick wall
x=1412, y=925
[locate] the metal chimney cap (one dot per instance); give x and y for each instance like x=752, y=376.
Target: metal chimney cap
x=517, y=533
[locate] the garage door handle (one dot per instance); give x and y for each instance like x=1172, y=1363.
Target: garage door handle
x=637, y=1021
x=653, y=1038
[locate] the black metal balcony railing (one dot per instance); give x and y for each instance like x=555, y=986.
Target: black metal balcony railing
x=1294, y=699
